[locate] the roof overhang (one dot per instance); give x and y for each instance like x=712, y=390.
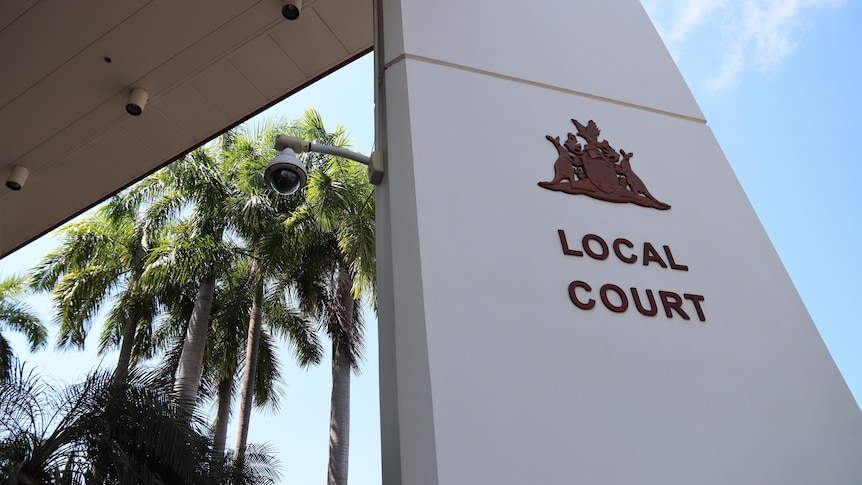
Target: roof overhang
x=69, y=68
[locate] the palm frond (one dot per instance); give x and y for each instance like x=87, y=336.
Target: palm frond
x=99, y=429
x=258, y=466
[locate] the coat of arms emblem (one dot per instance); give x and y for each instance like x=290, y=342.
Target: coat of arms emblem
x=597, y=170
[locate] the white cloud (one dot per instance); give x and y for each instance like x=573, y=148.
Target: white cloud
x=757, y=34
x=693, y=13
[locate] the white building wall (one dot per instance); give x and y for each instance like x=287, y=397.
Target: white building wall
x=490, y=373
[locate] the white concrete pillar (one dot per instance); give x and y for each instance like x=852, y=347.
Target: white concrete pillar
x=506, y=357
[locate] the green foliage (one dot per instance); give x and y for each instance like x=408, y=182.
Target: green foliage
x=100, y=258
x=112, y=432
x=16, y=314
x=210, y=216
x=332, y=238
x=258, y=466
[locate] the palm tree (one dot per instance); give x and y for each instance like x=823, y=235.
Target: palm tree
x=224, y=341
x=101, y=257
x=260, y=215
x=221, y=354
x=17, y=315
x=193, y=190
x=223, y=215
x=257, y=466
x=334, y=239
x=224, y=356
x=101, y=429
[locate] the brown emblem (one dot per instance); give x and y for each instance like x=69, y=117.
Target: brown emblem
x=596, y=170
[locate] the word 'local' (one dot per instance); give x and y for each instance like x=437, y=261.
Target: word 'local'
x=614, y=297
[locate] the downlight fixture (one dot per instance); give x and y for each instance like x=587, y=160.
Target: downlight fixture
x=290, y=9
x=137, y=101
x=17, y=177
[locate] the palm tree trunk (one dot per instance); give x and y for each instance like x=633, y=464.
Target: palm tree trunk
x=225, y=393
x=126, y=344
x=188, y=377
x=342, y=363
x=255, y=324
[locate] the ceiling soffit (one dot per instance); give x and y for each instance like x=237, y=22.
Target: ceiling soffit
x=207, y=66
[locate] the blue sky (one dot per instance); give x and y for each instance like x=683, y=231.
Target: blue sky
x=778, y=83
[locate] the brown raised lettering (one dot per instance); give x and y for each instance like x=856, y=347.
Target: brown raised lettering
x=673, y=265
x=651, y=255
x=574, y=285
x=653, y=307
x=672, y=301
x=696, y=300
x=587, y=249
x=565, y=244
x=631, y=259
x=624, y=302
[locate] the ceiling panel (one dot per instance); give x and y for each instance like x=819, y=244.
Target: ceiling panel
x=86, y=80
x=165, y=28
x=228, y=90
x=343, y=16
x=126, y=151
x=99, y=171
x=310, y=43
x=54, y=147
x=247, y=26
x=54, y=103
x=269, y=77
x=37, y=206
x=157, y=132
x=40, y=28
x=188, y=108
x=12, y=9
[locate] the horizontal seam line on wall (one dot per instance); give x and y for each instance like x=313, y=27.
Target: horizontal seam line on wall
x=507, y=77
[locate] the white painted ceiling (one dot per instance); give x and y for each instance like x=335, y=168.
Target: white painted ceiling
x=207, y=65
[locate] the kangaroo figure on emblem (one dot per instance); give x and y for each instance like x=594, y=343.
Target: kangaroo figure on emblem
x=635, y=183
x=564, y=167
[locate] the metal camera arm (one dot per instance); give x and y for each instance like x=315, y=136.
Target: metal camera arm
x=374, y=162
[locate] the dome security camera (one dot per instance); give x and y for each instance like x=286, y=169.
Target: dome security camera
x=290, y=9
x=17, y=176
x=285, y=173
x=137, y=101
